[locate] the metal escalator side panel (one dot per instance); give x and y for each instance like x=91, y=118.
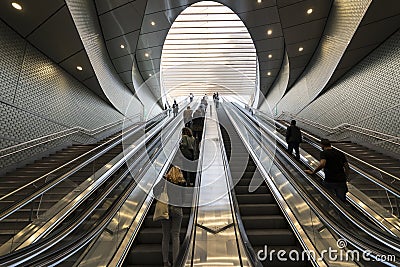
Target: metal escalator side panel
x=385, y=220
x=295, y=210
x=215, y=227
x=344, y=231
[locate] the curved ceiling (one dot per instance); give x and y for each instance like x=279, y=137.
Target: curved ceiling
x=208, y=49
x=48, y=26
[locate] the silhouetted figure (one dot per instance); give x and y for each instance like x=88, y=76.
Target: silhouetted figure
x=167, y=110
x=216, y=100
x=198, y=124
x=204, y=103
x=187, y=117
x=175, y=108
x=336, y=169
x=293, y=139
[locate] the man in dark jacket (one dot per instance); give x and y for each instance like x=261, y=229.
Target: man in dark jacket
x=293, y=139
x=336, y=169
x=198, y=124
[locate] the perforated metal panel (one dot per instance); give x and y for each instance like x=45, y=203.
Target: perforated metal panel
x=367, y=96
x=39, y=98
x=11, y=60
x=343, y=21
x=85, y=18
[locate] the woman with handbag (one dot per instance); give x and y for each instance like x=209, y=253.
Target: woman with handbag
x=167, y=192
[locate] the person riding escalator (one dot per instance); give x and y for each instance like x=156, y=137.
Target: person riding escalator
x=172, y=219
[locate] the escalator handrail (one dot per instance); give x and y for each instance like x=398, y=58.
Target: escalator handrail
x=43, y=245
x=388, y=224
x=131, y=130
x=57, y=218
x=185, y=247
x=269, y=132
x=317, y=140
x=388, y=137
x=235, y=209
x=47, y=186
x=385, y=239
x=371, y=178
x=298, y=230
x=126, y=243
x=73, y=130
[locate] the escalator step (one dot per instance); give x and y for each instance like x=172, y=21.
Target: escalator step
x=146, y=254
x=263, y=222
x=255, y=198
x=278, y=237
x=240, y=189
x=259, y=209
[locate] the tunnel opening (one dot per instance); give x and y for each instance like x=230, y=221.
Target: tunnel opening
x=208, y=49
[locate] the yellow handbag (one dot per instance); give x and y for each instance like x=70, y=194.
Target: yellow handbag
x=161, y=210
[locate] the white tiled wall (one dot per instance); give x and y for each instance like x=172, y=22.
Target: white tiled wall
x=367, y=96
x=38, y=98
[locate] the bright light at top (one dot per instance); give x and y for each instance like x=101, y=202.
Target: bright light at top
x=309, y=11
x=16, y=6
x=208, y=49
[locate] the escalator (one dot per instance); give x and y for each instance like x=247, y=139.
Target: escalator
x=358, y=181
x=263, y=220
x=384, y=162
x=18, y=220
x=343, y=219
x=12, y=180
x=388, y=199
x=25, y=215
x=389, y=165
x=146, y=249
x=94, y=213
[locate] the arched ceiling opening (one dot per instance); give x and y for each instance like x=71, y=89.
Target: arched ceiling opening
x=131, y=29
x=209, y=49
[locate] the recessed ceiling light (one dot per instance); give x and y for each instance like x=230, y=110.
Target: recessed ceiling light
x=122, y=46
x=269, y=73
x=309, y=11
x=269, y=32
x=300, y=49
x=270, y=56
x=79, y=68
x=153, y=23
x=16, y=6
x=259, y=1
x=150, y=74
x=146, y=54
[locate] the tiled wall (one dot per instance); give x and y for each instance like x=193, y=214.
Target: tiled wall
x=86, y=21
x=342, y=23
x=38, y=98
x=367, y=96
